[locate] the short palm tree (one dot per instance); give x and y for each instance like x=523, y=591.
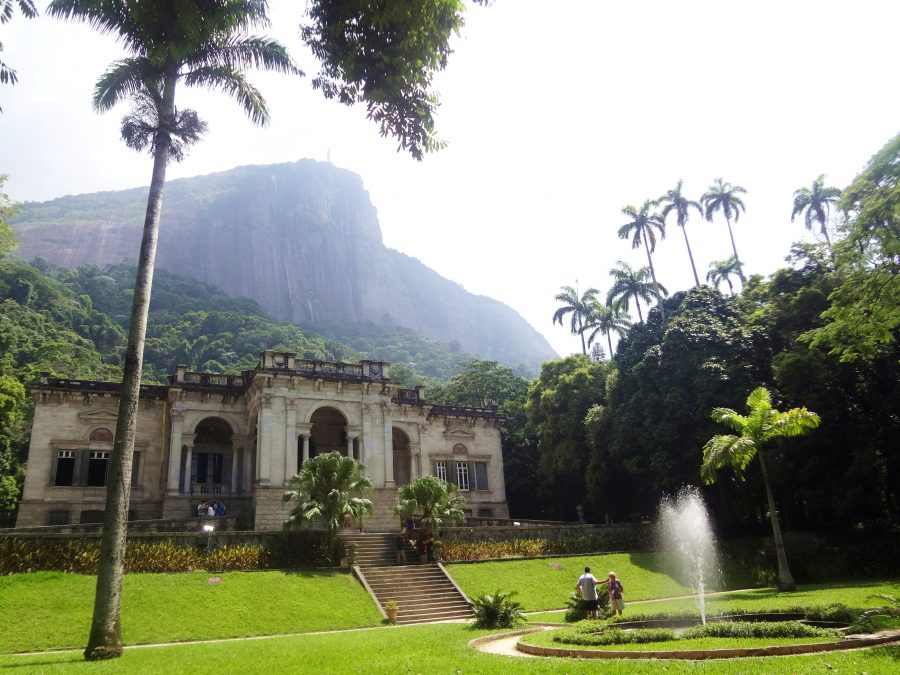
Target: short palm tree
x=606, y=319
x=630, y=284
x=579, y=307
x=328, y=488
x=723, y=196
x=195, y=43
x=815, y=205
x=673, y=200
x=721, y=270
x=641, y=230
x=432, y=500
x=755, y=431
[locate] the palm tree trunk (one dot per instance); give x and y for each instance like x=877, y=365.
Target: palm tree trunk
x=827, y=238
x=609, y=341
x=734, y=248
x=637, y=303
x=105, y=639
x=785, y=580
x=691, y=256
x=653, y=275
x=581, y=334
x=730, y=286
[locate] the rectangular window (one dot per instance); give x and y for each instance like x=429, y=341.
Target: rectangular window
x=58, y=518
x=481, y=478
x=65, y=468
x=97, y=467
x=440, y=470
x=462, y=475
x=136, y=470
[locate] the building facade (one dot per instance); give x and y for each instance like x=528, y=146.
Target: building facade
x=238, y=439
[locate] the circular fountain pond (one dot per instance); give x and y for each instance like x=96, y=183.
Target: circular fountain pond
x=720, y=637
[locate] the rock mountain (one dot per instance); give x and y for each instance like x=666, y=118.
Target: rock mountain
x=302, y=239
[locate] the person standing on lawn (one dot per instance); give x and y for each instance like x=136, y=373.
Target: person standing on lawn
x=615, y=590
x=587, y=584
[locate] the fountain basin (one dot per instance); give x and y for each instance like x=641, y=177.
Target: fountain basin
x=648, y=651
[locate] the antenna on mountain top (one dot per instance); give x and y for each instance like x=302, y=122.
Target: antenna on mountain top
x=328, y=156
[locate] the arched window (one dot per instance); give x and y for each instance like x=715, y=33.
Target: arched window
x=101, y=435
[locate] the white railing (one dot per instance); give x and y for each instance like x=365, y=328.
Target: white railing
x=210, y=489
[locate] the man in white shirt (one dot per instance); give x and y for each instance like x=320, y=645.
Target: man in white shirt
x=587, y=584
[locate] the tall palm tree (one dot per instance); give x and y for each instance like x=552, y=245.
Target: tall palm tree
x=755, y=431
x=329, y=487
x=723, y=196
x=721, y=270
x=198, y=43
x=641, y=230
x=673, y=200
x=815, y=204
x=606, y=319
x=630, y=284
x=579, y=307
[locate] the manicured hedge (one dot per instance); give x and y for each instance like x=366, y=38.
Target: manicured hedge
x=80, y=556
x=455, y=550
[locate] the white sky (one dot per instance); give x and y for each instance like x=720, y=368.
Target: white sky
x=557, y=115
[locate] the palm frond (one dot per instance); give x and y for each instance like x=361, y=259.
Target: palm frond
x=125, y=79
x=233, y=83
x=238, y=52
x=726, y=451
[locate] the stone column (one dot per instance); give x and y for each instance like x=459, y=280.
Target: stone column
x=351, y=444
x=305, y=430
x=415, y=460
x=290, y=441
x=247, y=472
x=235, y=465
x=388, y=445
x=186, y=472
x=172, y=486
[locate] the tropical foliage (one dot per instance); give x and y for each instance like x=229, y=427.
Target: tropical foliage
x=642, y=229
x=723, y=196
x=497, y=610
x=815, y=204
x=630, y=284
x=755, y=431
x=675, y=202
x=329, y=488
x=577, y=308
x=431, y=501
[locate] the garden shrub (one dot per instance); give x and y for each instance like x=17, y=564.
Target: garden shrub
x=576, y=608
x=497, y=610
x=760, y=629
x=456, y=550
x=872, y=623
x=613, y=636
x=298, y=549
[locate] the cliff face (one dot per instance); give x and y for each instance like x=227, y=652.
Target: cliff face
x=301, y=239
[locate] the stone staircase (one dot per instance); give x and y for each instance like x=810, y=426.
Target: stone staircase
x=423, y=591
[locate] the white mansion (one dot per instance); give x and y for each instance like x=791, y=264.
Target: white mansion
x=238, y=439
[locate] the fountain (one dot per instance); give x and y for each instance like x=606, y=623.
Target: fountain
x=684, y=529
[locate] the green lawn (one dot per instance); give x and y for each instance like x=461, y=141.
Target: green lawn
x=547, y=582
x=418, y=649
x=52, y=610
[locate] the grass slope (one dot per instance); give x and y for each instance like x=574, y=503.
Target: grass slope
x=547, y=582
x=52, y=610
x=418, y=649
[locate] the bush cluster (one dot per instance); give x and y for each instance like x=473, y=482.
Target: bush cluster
x=294, y=549
x=497, y=610
x=590, y=636
x=457, y=550
x=759, y=629
x=576, y=608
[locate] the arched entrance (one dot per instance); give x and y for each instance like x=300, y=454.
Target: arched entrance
x=328, y=433
x=211, y=459
x=402, y=459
